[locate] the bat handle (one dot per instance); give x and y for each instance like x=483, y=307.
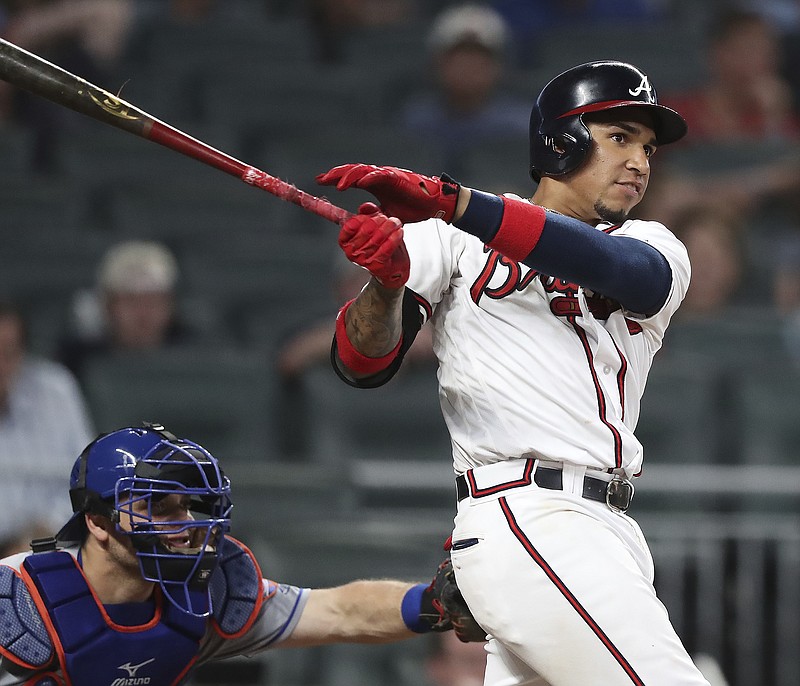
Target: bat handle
x=287, y=191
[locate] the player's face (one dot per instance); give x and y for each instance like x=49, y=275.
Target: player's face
x=140, y=320
x=171, y=514
x=614, y=178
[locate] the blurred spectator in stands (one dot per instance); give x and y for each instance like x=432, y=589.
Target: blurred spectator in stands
x=743, y=145
x=529, y=19
x=467, y=45
x=714, y=241
x=745, y=96
x=44, y=423
x=744, y=188
x=92, y=33
x=783, y=14
x=134, y=306
x=453, y=663
x=311, y=345
x=190, y=11
x=85, y=37
x=333, y=21
x=90, y=38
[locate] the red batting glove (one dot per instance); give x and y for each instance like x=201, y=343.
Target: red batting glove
x=375, y=242
x=404, y=194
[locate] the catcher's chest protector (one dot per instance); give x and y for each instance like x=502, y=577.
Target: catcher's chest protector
x=89, y=647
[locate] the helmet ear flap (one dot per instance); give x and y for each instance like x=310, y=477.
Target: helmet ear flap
x=557, y=151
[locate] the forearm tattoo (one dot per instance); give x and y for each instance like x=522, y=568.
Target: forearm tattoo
x=374, y=321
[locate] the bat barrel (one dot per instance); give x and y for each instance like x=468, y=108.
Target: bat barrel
x=35, y=74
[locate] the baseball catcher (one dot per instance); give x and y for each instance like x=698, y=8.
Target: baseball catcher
x=144, y=582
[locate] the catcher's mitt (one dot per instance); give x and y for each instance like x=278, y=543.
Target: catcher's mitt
x=444, y=607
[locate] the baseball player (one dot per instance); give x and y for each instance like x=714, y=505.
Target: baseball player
x=143, y=584
x=546, y=315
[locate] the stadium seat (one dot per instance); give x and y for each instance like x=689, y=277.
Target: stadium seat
x=736, y=338
x=278, y=278
x=222, y=398
x=398, y=422
x=498, y=166
x=117, y=158
x=300, y=157
x=40, y=205
x=768, y=420
x=16, y=149
x=670, y=54
x=183, y=214
x=304, y=95
x=391, y=441
x=679, y=420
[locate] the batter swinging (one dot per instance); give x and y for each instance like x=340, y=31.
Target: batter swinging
x=547, y=315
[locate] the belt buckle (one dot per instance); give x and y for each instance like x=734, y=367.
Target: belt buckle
x=619, y=494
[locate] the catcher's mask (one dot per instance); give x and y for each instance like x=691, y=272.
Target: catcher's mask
x=559, y=138
x=168, y=495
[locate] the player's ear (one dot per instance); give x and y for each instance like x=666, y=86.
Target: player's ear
x=98, y=526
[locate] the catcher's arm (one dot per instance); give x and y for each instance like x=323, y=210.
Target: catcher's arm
x=366, y=611
x=385, y=610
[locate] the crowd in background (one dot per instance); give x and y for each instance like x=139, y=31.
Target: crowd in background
x=429, y=84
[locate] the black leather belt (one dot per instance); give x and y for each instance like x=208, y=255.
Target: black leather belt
x=617, y=493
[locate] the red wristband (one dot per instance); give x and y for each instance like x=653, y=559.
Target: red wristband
x=519, y=230
x=352, y=358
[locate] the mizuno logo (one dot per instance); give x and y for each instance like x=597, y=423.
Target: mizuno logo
x=643, y=87
x=132, y=669
x=132, y=679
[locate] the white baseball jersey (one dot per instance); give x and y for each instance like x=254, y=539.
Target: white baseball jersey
x=531, y=366
x=535, y=369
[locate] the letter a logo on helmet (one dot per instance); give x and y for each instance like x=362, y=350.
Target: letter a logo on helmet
x=643, y=87
x=559, y=138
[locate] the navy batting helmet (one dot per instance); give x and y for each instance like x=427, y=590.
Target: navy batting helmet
x=560, y=140
x=130, y=472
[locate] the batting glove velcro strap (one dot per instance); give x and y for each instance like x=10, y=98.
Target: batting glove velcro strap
x=407, y=195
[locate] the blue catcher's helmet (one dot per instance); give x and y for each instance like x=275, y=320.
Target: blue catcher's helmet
x=559, y=138
x=127, y=475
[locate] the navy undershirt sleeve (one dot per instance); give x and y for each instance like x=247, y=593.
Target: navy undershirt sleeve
x=624, y=269
x=483, y=215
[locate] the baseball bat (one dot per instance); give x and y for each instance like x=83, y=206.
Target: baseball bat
x=35, y=74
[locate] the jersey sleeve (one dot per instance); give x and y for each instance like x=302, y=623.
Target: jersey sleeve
x=277, y=618
x=433, y=248
x=663, y=240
